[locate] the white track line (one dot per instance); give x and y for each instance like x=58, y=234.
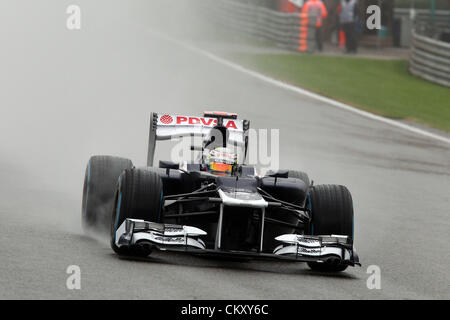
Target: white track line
x=298, y=90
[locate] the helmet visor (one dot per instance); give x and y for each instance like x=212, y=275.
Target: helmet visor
x=222, y=167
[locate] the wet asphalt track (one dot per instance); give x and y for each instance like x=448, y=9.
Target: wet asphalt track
x=68, y=95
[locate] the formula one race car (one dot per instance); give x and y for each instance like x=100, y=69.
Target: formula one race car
x=217, y=205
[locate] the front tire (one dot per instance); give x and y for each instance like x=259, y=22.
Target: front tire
x=139, y=196
x=332, y=213
x=99, y=186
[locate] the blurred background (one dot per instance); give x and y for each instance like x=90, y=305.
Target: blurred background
x=398, y=18
x=395, y=64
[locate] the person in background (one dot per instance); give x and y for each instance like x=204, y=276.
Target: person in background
x=318, y=9
x=347, y=19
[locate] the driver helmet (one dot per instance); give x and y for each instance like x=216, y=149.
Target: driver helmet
x=221, y=160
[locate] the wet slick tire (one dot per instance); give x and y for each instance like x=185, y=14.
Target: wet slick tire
x=99, y=187
x=138, y=196
x=332, y=213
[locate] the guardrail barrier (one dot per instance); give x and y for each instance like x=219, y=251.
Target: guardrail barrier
x=430, y=59
x=293, y=31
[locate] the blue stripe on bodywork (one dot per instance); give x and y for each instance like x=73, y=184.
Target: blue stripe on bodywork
x=87, y=188
x=310, y=210
x=117, y=216
x=119, y=202
x=160, y=207
x=353, y=228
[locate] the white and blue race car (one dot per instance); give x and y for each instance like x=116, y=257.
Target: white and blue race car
x=216, y=206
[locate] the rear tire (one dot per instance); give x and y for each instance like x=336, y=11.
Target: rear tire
x=332, y=213
x=138, y=196
x=299, y=175
x=100, y=183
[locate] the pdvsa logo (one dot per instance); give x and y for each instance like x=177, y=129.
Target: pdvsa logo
x=166, y=119
x=204, y=122
x=207, y=122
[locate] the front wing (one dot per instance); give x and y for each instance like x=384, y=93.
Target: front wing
x=178, y=238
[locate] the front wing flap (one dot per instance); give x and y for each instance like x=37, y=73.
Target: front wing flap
x=170, y=237
x=133, y=232
x=321, y=247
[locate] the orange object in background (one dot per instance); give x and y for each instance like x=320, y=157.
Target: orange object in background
x=303, y=38
x=341, y=32
x=341, y=38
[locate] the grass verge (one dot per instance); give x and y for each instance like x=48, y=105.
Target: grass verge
x=383, y=87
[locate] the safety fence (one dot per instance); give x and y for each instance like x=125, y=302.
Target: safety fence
x=293, y=31
x=423, y=21
x=440, y=19
x=430, y=59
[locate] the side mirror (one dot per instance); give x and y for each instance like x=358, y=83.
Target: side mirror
x=168, y=165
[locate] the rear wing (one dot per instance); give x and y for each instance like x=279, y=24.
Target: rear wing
x=166, y=127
